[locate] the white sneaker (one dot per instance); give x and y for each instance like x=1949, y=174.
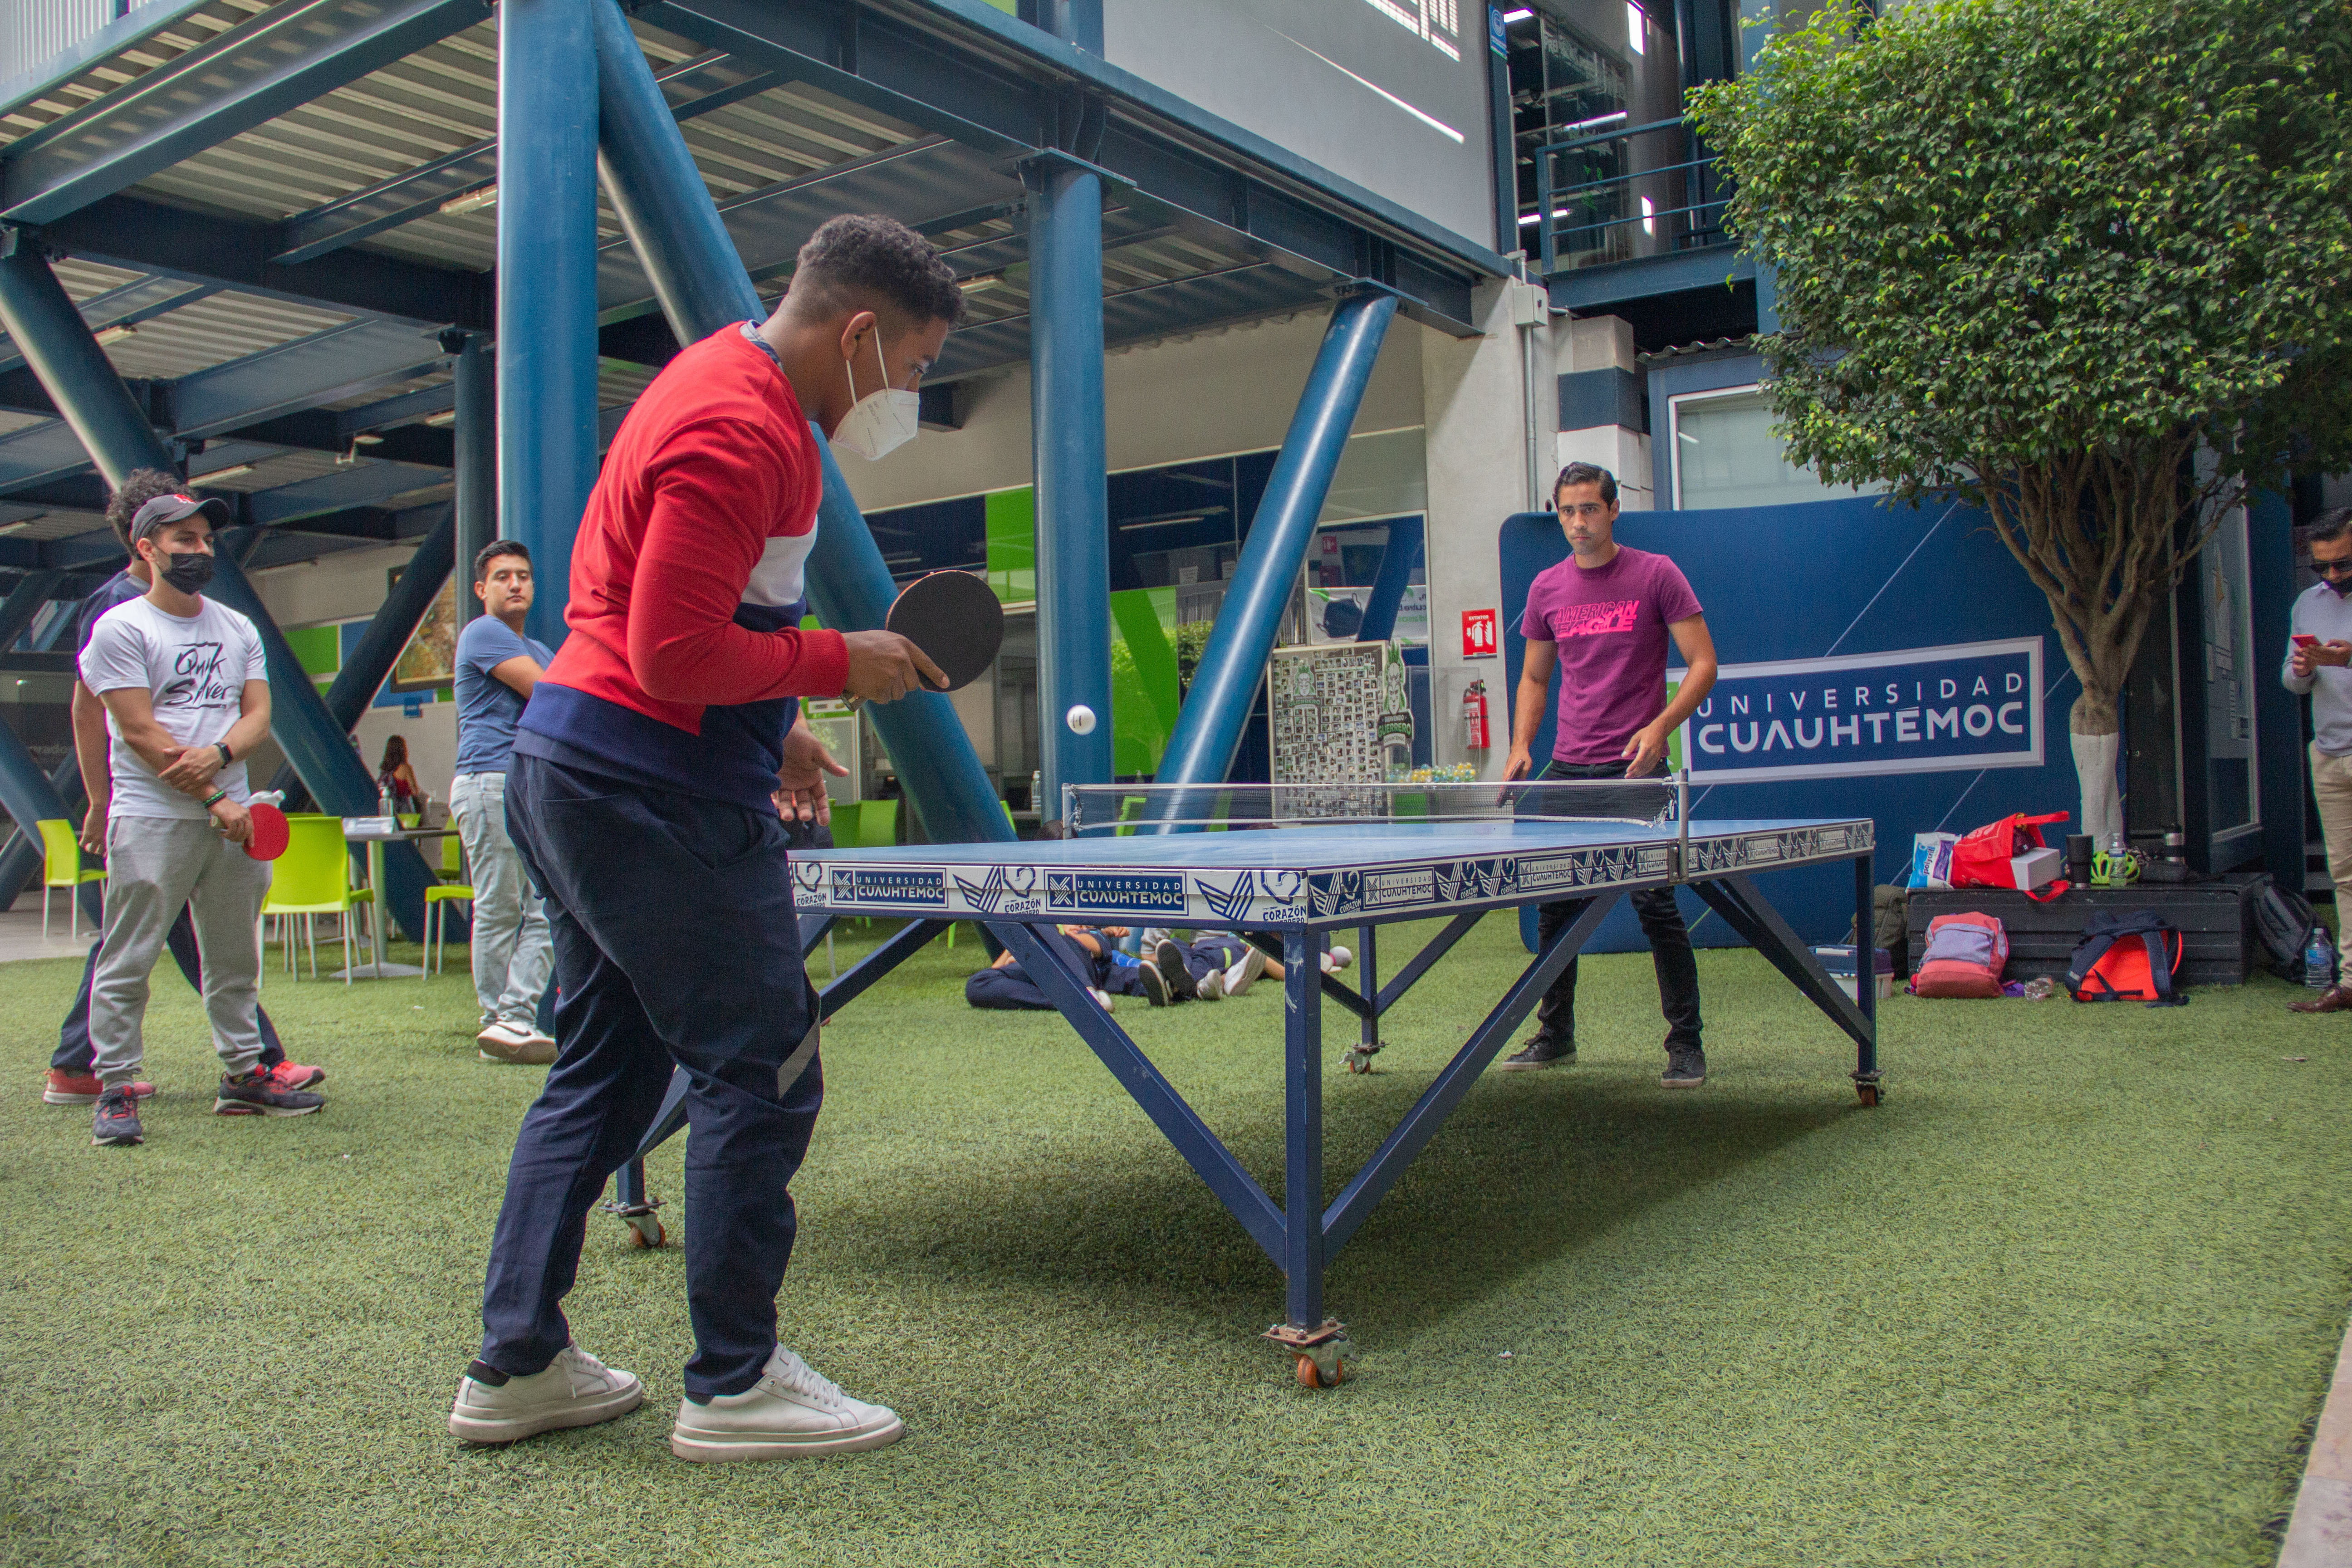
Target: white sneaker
x=503, y=1042
x=1247, y=974
x=1210, y=987
x=1337, y=959
x=576, y=1390
x=792, y=1412
x=1109, y=1004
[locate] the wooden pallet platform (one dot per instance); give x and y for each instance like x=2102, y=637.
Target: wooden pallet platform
x=2215, y=920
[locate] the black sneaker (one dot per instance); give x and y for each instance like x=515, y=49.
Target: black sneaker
x=1155, y=985
x=1540, y=1051
x=259, y=1094
x=118, y=1117
x=1686, y=1068
x=1168, y=959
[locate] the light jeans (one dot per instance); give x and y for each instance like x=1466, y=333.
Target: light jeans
x=2331, y=788
x=156, y=866
x=511, y=954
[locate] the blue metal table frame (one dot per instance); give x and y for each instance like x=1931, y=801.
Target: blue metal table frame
x=1286, y=890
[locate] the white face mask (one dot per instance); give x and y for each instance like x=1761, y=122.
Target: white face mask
x=880, y=422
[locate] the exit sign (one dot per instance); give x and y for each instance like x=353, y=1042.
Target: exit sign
x=1479, y=639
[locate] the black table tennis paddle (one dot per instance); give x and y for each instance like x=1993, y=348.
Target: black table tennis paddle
x=958, y=621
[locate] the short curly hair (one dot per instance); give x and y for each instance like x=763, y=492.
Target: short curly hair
x=867, y=254
x=138, y=486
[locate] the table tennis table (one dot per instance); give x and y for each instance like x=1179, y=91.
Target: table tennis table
x=1284, y=890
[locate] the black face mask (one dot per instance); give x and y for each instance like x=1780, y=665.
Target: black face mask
x=188, y=574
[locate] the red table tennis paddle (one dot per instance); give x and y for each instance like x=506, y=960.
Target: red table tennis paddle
x=270, y=831
x=958, y=621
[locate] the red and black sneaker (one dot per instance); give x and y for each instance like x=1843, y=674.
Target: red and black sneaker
x=65, y=1088
x=257, y=1094
x=117, y=1118
x=294, y=1075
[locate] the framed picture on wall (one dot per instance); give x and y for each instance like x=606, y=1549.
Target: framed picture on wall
x=429, y=662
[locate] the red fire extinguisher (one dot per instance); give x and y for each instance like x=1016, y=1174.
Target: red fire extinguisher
x=1473, y=716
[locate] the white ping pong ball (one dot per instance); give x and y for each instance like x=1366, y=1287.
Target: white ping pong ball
x=1080, y=719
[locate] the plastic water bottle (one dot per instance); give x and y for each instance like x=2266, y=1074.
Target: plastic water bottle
x=2319, y=960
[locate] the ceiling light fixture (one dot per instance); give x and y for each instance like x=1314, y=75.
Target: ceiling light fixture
x=1521, y=14
x=984, y=280
x=473, y=201
x=442, y=420
x=217, y=475
x=115, y=333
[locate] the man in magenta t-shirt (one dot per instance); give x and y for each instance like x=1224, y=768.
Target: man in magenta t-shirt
x=1602, y=616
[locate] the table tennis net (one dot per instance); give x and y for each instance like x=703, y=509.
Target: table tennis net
x=1107, y=810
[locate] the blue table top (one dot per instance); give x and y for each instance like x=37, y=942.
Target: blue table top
x=1300, y=875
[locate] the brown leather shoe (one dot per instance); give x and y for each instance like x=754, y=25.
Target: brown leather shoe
x=2335, y=999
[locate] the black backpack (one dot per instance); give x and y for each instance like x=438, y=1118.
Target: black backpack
x=2283, y=921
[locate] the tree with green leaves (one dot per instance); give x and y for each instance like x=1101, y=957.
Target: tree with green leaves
x=2086, y=264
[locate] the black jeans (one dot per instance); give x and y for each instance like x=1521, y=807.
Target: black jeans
x=675, y=946
x=1662, y=922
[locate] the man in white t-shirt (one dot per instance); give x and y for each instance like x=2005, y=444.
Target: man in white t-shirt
x=188, y=697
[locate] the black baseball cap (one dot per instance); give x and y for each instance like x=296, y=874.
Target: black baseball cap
x=171, y=509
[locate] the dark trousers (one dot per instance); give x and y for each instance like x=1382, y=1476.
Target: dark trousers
x=1211, y=954
x=1662, y=923
x=1010, y=989
x=675, y=946
x=73, y=1052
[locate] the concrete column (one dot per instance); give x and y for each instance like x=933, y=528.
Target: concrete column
x=1476, y=396
x=1599, y=393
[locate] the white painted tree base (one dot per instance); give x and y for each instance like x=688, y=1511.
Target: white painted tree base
x=2094, y=769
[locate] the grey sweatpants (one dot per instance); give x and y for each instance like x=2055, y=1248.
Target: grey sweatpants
x=153, y=866
x=512, y=955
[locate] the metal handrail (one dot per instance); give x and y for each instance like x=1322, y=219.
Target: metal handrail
x=1700, y=211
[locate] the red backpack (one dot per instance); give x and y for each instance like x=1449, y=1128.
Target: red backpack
x=2126, y=955
x=1965, y=956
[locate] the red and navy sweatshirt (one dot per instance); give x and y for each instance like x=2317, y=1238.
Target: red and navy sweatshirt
x=685, y=653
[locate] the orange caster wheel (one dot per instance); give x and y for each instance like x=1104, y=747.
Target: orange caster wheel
x=647, y=1232
x=1312, y=1376
x=1868, y=1093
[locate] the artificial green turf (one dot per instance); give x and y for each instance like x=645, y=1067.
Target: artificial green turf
x=2070, y=1296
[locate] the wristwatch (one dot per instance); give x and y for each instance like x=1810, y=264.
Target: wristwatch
x=226, y=757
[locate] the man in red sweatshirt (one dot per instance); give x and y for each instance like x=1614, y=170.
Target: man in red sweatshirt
x=642, y=796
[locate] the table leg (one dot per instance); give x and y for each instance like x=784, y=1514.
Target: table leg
x=1316, y=1342
x=376, y=912
x=1368, y=1037
x=1866, y=989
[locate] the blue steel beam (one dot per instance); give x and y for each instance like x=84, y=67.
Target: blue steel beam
x=1068, y=446
x=1389, y=583
x=477, y=401
x=1209, y=728
x=280, y=61
x=74, y=370
x=702, y=283
x=547, y=328
x=31, y=795
x=32, y=590
x=23, y=858
x=322, y=367
x=129, y=306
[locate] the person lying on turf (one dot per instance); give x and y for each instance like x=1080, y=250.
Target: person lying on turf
x=1211, y=967
x=1088, y=950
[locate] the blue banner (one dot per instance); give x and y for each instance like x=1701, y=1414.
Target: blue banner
x=1911, y=710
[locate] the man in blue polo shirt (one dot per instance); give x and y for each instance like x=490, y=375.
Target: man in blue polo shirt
x=497, y=668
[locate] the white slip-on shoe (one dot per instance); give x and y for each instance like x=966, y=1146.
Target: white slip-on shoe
x=576, y=1390
x=792, y=1412
x=1210, y=987
x=1245, y=974
x=1105, y=999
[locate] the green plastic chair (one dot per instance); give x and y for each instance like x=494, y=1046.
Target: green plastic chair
x=313, y=878
x=453, y=890
x=64, y=869
x=877, y=825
